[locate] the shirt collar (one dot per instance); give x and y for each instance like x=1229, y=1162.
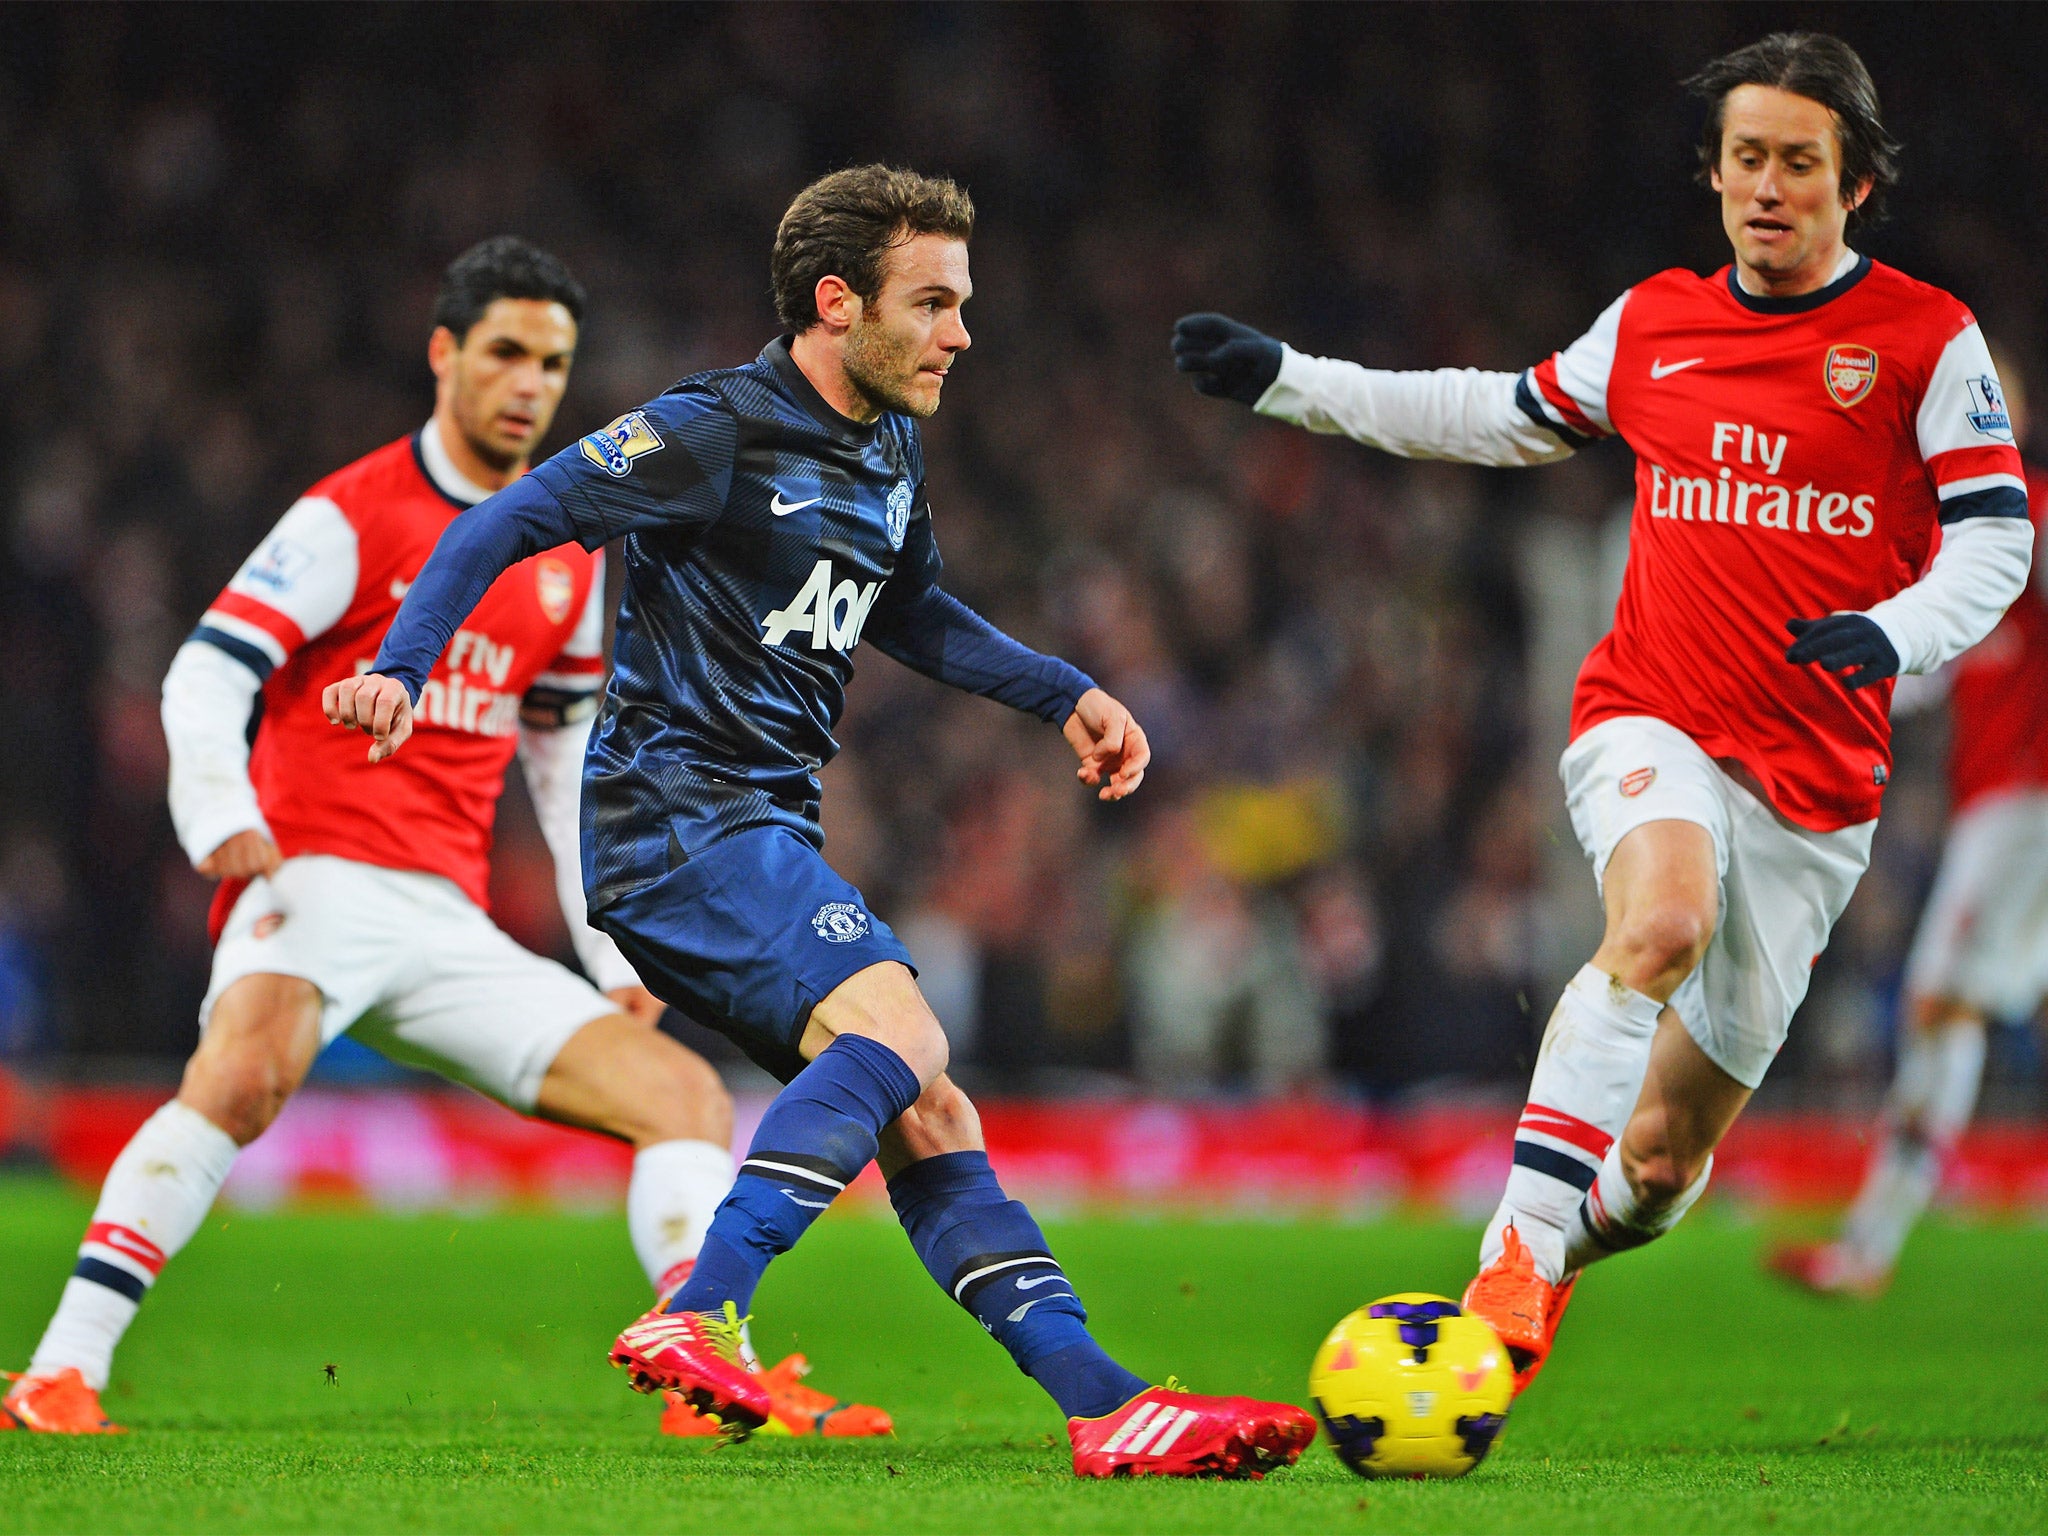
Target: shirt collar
x=440, y=469
x=1848, y=273
x=776, y=356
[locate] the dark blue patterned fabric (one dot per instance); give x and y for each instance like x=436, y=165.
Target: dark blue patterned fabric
x=765, y=536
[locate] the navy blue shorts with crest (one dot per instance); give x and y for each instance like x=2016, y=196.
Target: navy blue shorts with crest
x=747, y=935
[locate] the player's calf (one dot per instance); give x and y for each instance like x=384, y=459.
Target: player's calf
x=621, y=1079
x=987, y=1253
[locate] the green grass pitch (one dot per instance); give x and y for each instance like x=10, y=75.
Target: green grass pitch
x=471, y=1394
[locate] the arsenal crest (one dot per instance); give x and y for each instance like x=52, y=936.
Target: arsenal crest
x=1850, y=372
x=555, y=585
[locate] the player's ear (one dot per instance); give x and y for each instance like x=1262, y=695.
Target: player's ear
x=1856, y=198
x=441, y=349
x=837, y=304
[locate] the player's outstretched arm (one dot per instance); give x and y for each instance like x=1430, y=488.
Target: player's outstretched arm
x=1463, y=414
x=933, y=632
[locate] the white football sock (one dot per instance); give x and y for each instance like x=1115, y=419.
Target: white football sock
x=1933, y=1095
x=1613, y=1218
x=156, y=1195
x=1588, y=1073
x=676, y=1187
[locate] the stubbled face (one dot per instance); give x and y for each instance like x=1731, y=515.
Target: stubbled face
x=898, y=351
x=502, y=382
x=1780, y=180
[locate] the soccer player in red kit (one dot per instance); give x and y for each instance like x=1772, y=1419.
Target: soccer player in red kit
x=347, y=905
x=1981, y=950
x=1804, y=421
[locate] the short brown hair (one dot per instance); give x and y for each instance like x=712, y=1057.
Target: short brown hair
x=1823, y=69
x=844, y=225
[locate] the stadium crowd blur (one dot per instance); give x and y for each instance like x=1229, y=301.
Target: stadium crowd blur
x=1350, y=867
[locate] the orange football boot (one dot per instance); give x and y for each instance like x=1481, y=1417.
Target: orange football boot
x=794, y=1409
x=804, y=1410
x=1165, y=1432
x=57, y=1404
x=1519, y=1305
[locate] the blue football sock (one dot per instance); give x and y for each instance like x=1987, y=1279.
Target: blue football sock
x=988, y=1254
x=813, y=1142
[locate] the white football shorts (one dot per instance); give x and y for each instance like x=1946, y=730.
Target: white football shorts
x=1782, y=886
x=410, y=966
x=1983, y=938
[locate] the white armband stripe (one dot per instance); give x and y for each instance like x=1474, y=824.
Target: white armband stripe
x=1977, y=483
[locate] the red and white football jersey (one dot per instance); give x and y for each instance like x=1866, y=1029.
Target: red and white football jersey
x=312, y=604
x=1793, y=458
x=1998, y=698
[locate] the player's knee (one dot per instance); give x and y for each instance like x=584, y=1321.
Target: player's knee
x=258, y=1045
x=1666, y=939
x=240, y=1089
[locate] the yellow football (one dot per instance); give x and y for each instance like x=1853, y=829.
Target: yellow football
x=1411, y=1386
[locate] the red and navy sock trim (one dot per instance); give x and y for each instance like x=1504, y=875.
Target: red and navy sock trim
x=120, y=1258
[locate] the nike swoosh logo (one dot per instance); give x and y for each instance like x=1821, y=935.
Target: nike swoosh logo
x=1018, y=1315
x=399, y=589
x=809, y=1205
x=1659, y=369
x=783, y=508
x=1032, y=1285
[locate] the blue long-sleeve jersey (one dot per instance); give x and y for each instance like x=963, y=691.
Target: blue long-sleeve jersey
x=765, y=535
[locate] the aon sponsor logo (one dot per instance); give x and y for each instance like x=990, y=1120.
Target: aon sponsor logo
x=829, y=615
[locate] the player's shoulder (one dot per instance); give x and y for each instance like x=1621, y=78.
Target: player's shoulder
x=374, y=479
x=1910, y=302
x=747, y=391
x=1679, y=283
x=905, y=439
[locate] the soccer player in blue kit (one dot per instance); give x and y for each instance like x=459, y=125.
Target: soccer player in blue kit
x=773, y=515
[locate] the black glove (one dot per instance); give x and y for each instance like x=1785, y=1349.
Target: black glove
x=1221, y=357
x=1841, y=641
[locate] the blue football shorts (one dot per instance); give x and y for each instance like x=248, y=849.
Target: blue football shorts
x=746, y=936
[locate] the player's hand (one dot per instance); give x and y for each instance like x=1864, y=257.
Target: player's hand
x=1110, y=744
x=1851, y=643
x=638, y=1004
x=373, y=703
x=1222, y=357
x=242, y=857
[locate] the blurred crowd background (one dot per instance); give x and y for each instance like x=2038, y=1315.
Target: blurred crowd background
x=220, y=232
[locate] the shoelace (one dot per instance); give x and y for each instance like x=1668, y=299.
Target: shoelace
x=725, y=1332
